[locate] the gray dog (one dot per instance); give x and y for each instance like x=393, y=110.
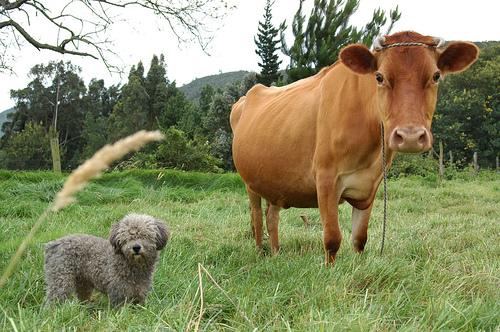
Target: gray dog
x=121, y=267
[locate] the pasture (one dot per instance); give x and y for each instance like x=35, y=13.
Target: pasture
x=440, y=269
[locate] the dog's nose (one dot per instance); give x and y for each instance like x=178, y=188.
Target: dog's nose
x=136, y=248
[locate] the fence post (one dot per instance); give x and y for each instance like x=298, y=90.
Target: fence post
x=498, y=166
x=441, y=160
x=451, y=158
x=476, y=166
x=55, y=151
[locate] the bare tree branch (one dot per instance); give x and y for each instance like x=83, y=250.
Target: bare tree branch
x=58, y=48
x=81, y=26
x=6, y=5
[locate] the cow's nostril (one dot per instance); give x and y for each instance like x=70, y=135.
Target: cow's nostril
x=398, y=138
x=422, y=139
x=136, y=248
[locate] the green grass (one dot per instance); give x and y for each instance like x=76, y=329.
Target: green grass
x=440, y=269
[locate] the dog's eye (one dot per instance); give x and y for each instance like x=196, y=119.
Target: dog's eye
x=436, y=77
x=379, y=78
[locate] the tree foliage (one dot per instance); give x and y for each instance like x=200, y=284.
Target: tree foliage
x=467, y=116
x=178, y=151
x=27, y=149
x=319, y=38
x=198, y=134
x=56, y=83
x=267, y=43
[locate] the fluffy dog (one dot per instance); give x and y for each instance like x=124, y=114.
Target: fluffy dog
x=121, y=267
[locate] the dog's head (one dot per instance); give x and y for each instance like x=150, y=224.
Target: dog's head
x=138, y=237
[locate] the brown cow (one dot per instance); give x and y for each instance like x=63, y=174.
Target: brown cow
x=317, y=142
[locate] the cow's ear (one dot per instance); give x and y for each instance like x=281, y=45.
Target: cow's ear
x=359, y=59
x=457, y=57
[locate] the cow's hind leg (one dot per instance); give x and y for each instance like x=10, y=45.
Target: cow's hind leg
x=256, y=216
x=360, y=219
x=272, y=221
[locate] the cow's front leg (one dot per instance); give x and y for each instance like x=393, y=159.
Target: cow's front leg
x=328, y=202
x=360, y=219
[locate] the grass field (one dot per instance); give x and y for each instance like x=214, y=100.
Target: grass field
x=440, y=269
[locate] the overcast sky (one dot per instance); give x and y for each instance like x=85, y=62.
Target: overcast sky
x=233, y=46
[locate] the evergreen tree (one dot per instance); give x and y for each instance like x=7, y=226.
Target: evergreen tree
x=247, y=83
x=318, y=42
x=28, y=149
x=267, y=43
x=156, y=85
x=174, y=108
x=139, y=71
x=206, y=95
x=130, y=112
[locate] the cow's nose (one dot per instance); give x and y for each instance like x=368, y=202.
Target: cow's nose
x=136, y=248
x=410, y=139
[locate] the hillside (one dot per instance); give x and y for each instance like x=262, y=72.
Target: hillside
x=3, y=118
x=192, y=89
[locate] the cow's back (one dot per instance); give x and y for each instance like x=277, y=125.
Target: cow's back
x=274, y=139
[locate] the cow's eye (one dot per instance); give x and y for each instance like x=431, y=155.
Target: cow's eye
x=379, y=78
x=436, y=77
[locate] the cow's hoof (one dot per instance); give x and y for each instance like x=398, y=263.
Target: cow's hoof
x=329, y=260
x=358, y=246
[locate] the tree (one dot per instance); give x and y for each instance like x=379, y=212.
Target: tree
x=130, y=113
x=247, y=83
x=156, y=87
x=267, y=43
x=217, y=128
x=206, y=95
x=100, y=100
x=54, y=84
x=326, y=32
x=175, y=108
x=27, y=149
x=82, y=26
x=467, y=117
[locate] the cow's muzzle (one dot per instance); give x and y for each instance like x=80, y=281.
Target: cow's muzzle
x=410, y=139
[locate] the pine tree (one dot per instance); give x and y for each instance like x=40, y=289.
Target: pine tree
x=327, y=31
x=267, y=43
x=156, y=85
x=130, y=112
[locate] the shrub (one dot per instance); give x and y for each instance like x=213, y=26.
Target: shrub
x=28, y=149
x=414, y=164
x=177, y=151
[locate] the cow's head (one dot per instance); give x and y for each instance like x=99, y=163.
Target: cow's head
x=407, y=68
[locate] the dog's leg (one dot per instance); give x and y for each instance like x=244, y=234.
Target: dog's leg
x=84, y=290
x=116, y=297
x=61, y=287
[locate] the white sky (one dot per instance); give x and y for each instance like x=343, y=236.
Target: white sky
x=233, y=46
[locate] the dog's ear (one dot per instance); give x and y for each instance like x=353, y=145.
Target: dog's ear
x=113, y=238
x=162, y=235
